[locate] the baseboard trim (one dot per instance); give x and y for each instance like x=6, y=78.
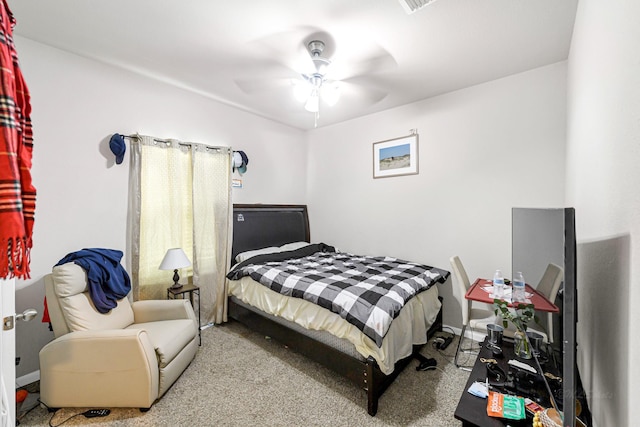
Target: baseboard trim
x=27, y=379
x=474, y=335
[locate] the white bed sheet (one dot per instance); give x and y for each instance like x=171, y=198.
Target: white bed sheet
x=409, y=328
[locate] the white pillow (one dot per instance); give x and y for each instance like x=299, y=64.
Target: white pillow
x=293, y=246
x=242, y=256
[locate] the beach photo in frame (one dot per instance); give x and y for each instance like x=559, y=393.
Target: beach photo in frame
x=395, y=157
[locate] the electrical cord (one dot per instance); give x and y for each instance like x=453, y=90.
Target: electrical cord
x=56, y=425
x=54, y=414
x=90, y=413
x=445, y=354
x=450, y=330
x=24, y=413
x=441, y=370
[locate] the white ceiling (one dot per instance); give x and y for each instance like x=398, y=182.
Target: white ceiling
x=244, y=53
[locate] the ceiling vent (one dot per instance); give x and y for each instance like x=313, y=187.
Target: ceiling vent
x=411, y=6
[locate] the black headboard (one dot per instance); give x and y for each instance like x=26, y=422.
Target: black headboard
x=260, y=226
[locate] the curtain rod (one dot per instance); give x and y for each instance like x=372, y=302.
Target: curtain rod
x=207, y=147
x=183, y=144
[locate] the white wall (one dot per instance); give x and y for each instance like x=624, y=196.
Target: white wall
x=603, y=182
x=482, y=151
x=82, y=195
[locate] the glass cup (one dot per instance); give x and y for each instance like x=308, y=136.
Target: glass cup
x=536, y=342
x=495, y=332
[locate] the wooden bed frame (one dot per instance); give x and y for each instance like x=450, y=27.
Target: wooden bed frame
x=259, y=226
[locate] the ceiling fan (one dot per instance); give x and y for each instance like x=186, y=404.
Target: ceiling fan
x=322, y=72
x=314, y=85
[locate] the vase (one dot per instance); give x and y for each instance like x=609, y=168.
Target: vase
x=521, y=346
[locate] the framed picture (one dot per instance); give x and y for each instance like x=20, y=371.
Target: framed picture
x=395, y=157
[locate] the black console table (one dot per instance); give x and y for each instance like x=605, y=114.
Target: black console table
x=472, y=410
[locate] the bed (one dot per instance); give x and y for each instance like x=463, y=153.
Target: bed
x=372, y=364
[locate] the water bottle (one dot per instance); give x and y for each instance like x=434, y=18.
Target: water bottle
x=498, y=285
x=518, y=293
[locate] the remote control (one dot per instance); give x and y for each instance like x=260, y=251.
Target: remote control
x=92, y=413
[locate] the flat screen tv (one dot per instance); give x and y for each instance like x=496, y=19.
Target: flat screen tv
x=539, y=237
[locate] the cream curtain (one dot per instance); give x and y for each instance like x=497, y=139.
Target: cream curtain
x=180, y=196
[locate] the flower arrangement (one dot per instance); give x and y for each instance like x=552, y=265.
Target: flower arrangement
x=520, y=315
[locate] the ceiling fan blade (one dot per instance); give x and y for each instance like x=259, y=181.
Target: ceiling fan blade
x=367, y=93
x=287, y=64
x=345, y=69
x=288, y=47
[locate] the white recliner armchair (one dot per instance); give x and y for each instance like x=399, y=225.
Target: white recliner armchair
x=128, y=357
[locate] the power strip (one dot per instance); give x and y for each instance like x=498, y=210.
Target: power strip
x=446, y=342
x=442, y=343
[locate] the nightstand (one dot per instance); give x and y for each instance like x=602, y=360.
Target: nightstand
x=181, y=293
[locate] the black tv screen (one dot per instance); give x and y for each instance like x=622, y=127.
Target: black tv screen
x=569, y=320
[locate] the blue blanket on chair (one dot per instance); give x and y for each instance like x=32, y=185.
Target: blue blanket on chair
x=107, y=280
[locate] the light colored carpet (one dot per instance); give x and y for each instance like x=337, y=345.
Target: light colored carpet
x=240, y=378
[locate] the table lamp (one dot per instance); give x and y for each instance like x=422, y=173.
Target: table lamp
x=174, y=259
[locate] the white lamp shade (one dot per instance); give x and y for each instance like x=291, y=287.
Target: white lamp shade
x=174, y=258
x=313, y=103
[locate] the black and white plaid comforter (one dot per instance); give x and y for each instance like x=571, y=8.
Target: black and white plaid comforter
x=367, y=291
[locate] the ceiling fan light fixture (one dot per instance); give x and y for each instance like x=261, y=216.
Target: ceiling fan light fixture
x=313, y=103
x=314, y=86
